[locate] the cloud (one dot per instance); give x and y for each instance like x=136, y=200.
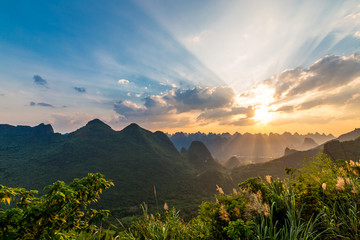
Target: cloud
x=201, y=98
x=80, y=89
x=285, y=108
x=325, y=74
x=221, y=113
x=179, y=101
x=197, y=104
x=123, y=81
x=326, y=90
x=319, y=91
x=129, y=109
x=39, y=81
x=41, y=104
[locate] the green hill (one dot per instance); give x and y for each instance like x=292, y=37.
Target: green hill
x=137, y=160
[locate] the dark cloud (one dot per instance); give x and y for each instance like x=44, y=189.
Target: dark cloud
x=286, y=108
x=40, y=81
x=41, y=104
x=213, y=103
x=341, y=98
x=80, y=89
x=201, y=98
x=225, y=113
x=179, y=101
x=327, y=73
x=129, y=109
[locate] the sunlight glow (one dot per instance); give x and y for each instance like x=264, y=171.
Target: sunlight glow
x=262, y=115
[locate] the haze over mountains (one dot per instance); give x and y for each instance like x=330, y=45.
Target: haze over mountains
x=141, y=162
x=250, y=147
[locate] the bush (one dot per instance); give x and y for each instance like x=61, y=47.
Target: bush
x=59, y=214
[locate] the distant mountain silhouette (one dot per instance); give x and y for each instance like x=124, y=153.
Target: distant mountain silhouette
x=289, y=151
x=249, y=147
x=335, y=149
x=307, y=144
x=350, y=135
x=232, y=162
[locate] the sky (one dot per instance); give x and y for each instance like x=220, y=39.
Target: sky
x=182, y=65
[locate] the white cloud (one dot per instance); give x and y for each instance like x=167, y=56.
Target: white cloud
x=123, y=81
x=196, y=39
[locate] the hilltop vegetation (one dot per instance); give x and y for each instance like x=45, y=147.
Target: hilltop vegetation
x=319, y=201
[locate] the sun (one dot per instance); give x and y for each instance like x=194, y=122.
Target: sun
x=262, y=115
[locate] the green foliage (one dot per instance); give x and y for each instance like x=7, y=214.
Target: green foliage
x=58, y=214
x=166, y=226
x=319, y=201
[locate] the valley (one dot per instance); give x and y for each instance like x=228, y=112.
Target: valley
x=146, y=166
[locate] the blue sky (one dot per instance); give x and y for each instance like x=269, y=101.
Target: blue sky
x=181, y=65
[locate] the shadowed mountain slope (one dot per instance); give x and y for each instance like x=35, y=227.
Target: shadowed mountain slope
x=136, y=159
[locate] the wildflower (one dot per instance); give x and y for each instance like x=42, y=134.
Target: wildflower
x=216, y=201
x=266, y=209
x=354, y=190
x=323, y=186
x=349, y=181
x=268, y=178
x=352, y=163
x=224, y=215
x=340, y=184
x=237, y=212
x=166, y=206
x=234, y=191
x=219, y=189
x=342, y=171
x=255, y=204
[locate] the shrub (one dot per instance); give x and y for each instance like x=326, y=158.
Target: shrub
x=58, y=214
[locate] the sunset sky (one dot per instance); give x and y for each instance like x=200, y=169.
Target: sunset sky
x=182, y=65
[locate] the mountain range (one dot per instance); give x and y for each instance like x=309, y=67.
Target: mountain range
x=146, y=166
x=250, y=148
x=141, y=163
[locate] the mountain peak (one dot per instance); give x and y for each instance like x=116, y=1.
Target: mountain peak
x=93, y=128
x=135, y=131
x=132, y=127
x=199, y=152
x=96, y=121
